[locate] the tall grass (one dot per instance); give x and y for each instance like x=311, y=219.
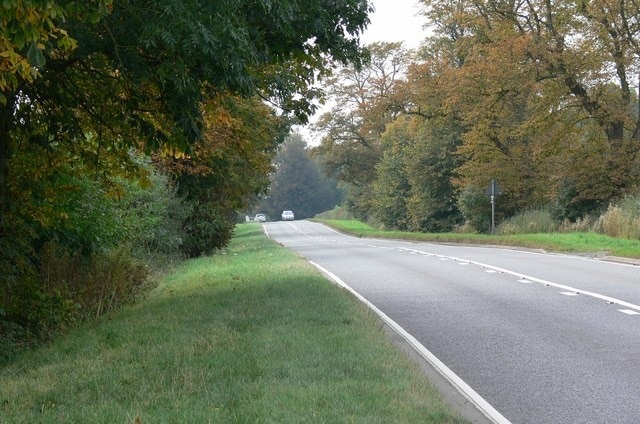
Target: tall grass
x=252, y=335
x=621, y=221
x=529, y=222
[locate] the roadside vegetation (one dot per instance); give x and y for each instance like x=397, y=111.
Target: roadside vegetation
x=535, y=96
x=612, y=233
x=252, y=334
x=127, y=145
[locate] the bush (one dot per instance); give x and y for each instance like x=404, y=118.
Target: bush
x=529, y=222
x=620, y=221
x=579, y=225
x=476, y=209
x=207, y=228
x=68, y=288
x=152, y=217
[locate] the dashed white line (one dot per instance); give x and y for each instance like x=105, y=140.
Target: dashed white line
x=492, y=268
x=529, y=279
x=629, y=312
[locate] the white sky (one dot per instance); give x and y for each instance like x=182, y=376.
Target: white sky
x=396, y=20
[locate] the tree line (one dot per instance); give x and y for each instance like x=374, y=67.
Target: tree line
x=131, y=130
x=540, y=95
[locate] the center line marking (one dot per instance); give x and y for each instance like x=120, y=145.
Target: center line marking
x=569, y=293
x=491, y=268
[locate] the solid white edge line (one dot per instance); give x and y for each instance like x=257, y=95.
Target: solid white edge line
x=264, y=230
x=463, y=388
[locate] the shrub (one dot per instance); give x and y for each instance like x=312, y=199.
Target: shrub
x=152, y=217
x=207, y=228
x=528, y=222
x=68, y=288
x=579, y=225
x=475, y=208
x=620, y=221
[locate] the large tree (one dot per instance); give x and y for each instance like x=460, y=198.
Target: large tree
x=86, y=88
x=297, y=183
x=542, y=86
x=364, y=105
x=106, y=77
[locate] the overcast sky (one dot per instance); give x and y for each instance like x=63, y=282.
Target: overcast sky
x=396, y=20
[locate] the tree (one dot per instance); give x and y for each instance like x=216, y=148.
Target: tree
x=535, y=75
x=140, y=82
x=86, y=88
x=298, y=183
x=413, y=189
x=225, y=169
x=365, y=104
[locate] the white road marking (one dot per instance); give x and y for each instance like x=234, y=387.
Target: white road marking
x=471, y=395
x=569, y=293
x=494, y=269
x=629, y=312
x=488, y=268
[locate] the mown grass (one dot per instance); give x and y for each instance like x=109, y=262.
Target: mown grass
x=251, y=335
x=581, y=242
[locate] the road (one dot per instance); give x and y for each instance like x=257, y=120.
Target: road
x=543, y=338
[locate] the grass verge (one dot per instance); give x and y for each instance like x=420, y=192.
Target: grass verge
x=251, y=335
x=560, y=242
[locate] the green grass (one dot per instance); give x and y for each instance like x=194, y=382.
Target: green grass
x=561, y=242
x=251, y=335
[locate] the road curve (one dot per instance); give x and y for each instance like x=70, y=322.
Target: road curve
x=543, y=338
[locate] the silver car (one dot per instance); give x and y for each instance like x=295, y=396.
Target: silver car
x=288, y=216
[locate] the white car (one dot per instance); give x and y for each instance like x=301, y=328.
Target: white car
x=260, y=217
x=288, y=216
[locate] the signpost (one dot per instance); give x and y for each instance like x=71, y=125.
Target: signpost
x=493, y=191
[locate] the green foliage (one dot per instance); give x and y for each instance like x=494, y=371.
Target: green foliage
x=351, y=146
x=529, y=222
x=476, y=208
x=298, y=184
x=66, y=289
x=390, y=191
x=86, y=86
x=78, y=266
x=572, y=205
x=27, y=29
x=151, y=218
x=207, y=228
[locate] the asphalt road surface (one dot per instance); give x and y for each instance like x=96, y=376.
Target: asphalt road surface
x=543, y=338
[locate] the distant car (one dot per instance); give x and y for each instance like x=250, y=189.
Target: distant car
x=288, y=216
x=260, y=217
